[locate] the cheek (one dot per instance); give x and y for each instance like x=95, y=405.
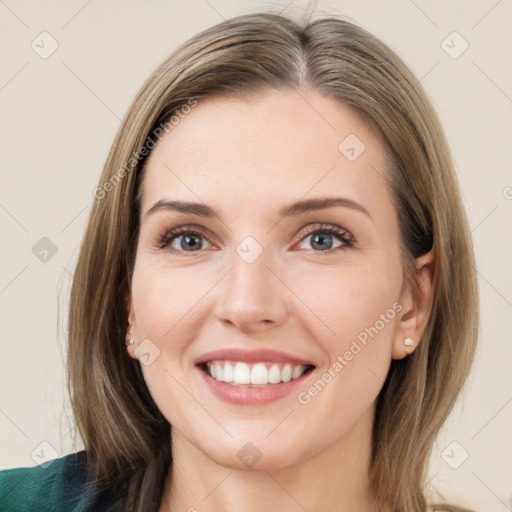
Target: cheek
x=166, y=300
x=358, y=313
x=351, y=303
x=166, y=308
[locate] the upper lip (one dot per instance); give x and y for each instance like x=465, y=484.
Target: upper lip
x=239, y=354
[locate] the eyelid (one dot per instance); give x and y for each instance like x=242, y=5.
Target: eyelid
x=345, y=236
x=323, y=226
x=169, y=235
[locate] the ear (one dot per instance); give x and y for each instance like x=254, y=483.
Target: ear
x=131, y=328
x=416, y=300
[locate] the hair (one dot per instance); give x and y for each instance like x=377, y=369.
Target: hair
x=126, y=438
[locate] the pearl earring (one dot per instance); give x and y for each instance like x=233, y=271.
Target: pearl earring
x=408, y=342
x=130, y=341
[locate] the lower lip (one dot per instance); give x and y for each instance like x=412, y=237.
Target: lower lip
x=244, y=395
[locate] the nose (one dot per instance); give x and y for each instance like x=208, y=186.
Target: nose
x=251, y=297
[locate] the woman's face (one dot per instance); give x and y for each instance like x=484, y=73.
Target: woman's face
x=261, y=290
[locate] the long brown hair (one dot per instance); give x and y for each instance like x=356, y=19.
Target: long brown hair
x=126, y=438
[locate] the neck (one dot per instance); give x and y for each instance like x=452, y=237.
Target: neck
x=335, y=479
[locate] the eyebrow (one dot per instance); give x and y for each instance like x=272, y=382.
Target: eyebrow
x=294, y=209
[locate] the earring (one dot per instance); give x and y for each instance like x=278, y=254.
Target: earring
x=408, y=342
x=130, y=341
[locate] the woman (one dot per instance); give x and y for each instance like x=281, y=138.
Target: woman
x=275, y=303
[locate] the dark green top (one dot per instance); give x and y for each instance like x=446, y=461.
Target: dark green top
x=56, y=486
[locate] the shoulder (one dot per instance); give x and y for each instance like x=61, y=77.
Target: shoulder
x=59, y=484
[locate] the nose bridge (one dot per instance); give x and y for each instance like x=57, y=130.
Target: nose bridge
x=251, y=297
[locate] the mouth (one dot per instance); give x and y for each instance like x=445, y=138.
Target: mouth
x=252, y=377
x=254, y=374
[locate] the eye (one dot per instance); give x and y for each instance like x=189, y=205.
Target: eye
x=183, y=239
x=321, y=238
x=324, y=239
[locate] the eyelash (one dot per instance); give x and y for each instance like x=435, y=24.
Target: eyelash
x=347, y=239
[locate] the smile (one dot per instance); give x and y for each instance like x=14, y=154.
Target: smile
x=258, y=374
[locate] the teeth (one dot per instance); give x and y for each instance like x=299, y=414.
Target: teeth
x=257, y=374
x=242, y=374
x=286, y=373
x=218, y=371
x=274, y=374
x=229, y=374
x=297, y=372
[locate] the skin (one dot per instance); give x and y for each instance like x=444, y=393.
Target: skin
x=246, y=160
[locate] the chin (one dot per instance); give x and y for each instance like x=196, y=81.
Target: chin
x=242, y=453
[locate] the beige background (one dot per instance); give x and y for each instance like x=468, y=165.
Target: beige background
x=59, y=115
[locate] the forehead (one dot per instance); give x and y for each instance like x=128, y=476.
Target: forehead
x=281, y=145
